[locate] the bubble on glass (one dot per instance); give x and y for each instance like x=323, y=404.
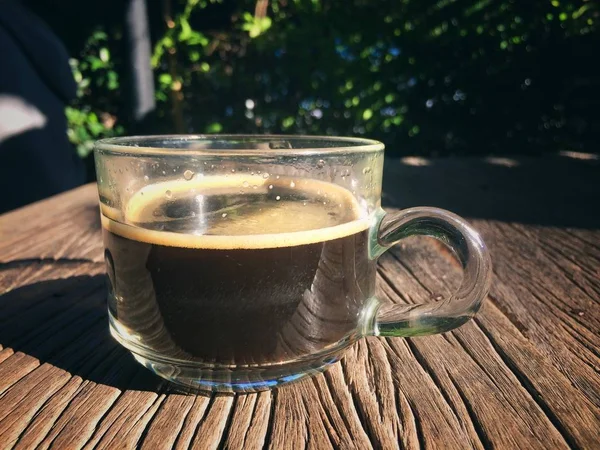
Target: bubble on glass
x=366, y=170
x=277, y=177
x=265, y=175
x=320, y=164
x=270, y=186
x=254, y=186
x=232, y=170
x=193, y=214
x=188, y=175
x=164, y=173
x=146, y=178
x=168, y=193
x=292, y=184
x=245, y=184
x=278, y=198
x=224, y=215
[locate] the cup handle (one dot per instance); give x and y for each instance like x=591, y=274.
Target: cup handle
x=433, y=317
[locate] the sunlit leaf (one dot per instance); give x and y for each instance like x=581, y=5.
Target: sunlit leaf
x=214, y=127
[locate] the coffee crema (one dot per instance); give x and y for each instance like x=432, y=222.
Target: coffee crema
x=237, y=270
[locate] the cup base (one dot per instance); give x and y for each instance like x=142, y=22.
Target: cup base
x=198, y=376
x=201, y=378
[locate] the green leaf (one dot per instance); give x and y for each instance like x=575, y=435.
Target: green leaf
x=104, y=54
x=186, y=29
x=165, y=79
x=288, y=122
x=96, y=63
x=99, y=36
x=197, y=38
x=113, y=80
x=214, y=127
x=194, y=56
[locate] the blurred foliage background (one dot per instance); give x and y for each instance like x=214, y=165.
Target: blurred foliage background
x=426, y=77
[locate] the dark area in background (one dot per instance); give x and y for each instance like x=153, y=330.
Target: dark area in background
x=36, y=158
x=428, y=78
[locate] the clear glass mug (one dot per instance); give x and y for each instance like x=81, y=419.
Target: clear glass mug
x=239, y=263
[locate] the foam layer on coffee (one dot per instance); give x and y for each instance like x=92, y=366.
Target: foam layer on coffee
x=237, y=212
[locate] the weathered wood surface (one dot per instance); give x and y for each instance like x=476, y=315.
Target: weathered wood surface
x=523, y=374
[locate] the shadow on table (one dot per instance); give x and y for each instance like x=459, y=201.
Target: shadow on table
x=64, y=322
x=552, y=191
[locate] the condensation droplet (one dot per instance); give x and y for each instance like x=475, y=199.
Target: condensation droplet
x=245, y=184
x=292, y=184
x=258, y=171
x=224, y=215
x=303, y=203
x=168, y=193
x=277, y=177
x=188, y=175
x=324, y=203
x=367, y=170
x=265, y=175
x=254, y=186
x=232, y=170
x=278, y=198
x=320, y=164
x=252, y=173
x=212, y=166
x=146, y=178
x=270, y=186
x=164, y=173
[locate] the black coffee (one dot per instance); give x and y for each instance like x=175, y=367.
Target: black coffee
x=223, y=271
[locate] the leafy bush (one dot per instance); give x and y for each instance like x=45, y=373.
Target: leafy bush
x=92, y=116
x=427, y=78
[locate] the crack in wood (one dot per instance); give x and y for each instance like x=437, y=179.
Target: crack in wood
x=358, y=408
x=477, y=425
x=228, y=419
x=271, y=419
x=418, y=356
x=530, y=388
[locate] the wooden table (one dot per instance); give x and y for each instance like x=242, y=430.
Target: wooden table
x=523, y=374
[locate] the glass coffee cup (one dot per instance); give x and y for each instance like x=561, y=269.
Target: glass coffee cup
x=240, y=263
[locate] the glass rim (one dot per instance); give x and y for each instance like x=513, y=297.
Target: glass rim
x=136, y=145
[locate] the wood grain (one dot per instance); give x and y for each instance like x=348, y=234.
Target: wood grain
x=523, y=374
